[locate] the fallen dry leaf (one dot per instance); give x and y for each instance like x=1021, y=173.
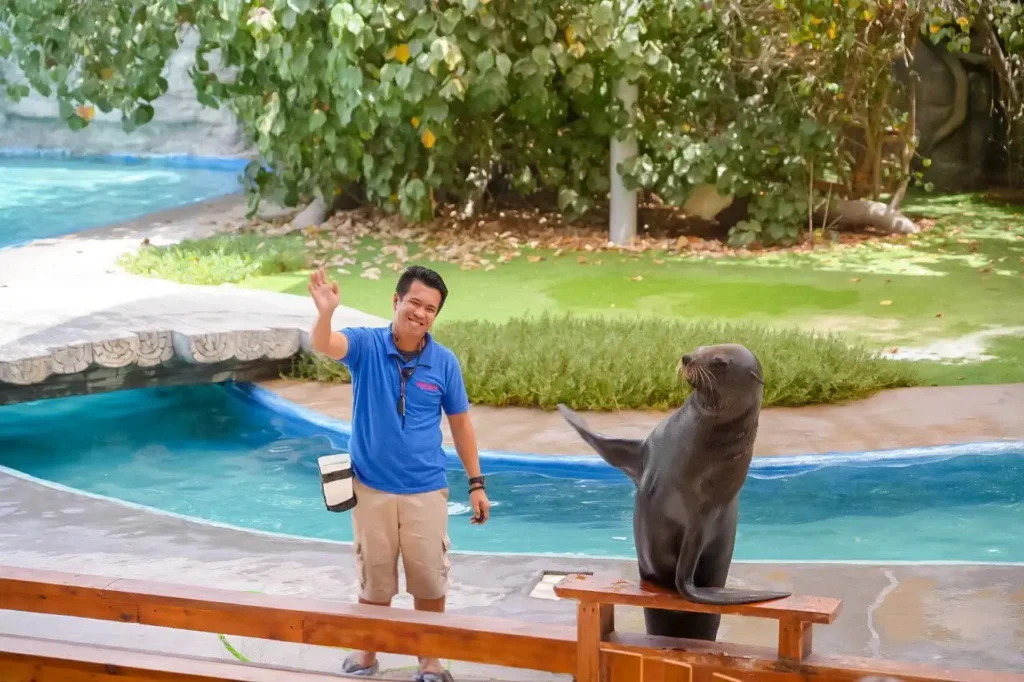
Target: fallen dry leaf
x=658, y=261
x=638, y=278
x=885, y=303
x=855, y=279
x=535, y=259
x=938, y=314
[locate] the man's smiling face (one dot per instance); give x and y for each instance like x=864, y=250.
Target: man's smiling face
x=415, y=312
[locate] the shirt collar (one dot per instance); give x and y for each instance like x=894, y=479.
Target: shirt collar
x=425, y=357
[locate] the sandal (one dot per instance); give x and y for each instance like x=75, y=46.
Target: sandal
x=351, y=667
x=443, y=676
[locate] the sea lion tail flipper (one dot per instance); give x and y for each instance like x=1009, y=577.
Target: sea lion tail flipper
x=686, y=567
x=724, y=596
x=625, y=454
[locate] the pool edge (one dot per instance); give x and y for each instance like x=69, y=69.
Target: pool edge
x=300, y=413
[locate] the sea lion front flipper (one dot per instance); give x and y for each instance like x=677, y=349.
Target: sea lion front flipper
x=625, y=454
x=686, y=567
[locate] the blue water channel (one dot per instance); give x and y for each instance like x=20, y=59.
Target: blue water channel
x=50, y=196
x=215, y=452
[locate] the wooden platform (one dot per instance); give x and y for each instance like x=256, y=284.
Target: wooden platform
x=605, y=655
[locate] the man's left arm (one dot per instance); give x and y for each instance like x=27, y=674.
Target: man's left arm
x=456, y=406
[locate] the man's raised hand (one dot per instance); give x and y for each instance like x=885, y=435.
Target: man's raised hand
x=324, y=292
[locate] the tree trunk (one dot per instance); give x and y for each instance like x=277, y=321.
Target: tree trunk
x=314, y=214
x=863, y=212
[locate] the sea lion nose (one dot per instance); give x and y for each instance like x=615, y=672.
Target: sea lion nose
x=687, y=359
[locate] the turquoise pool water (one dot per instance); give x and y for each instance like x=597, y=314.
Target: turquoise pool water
x=215, y=453
x=53, y=196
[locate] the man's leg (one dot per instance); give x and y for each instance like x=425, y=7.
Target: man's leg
x=423, y=537
x=375, y=543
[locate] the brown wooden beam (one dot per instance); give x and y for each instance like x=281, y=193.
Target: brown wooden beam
x=477, y=639
x=609, y=589
x=721, y=660
x=31, y=659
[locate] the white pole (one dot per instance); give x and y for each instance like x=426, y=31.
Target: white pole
x=622, y=206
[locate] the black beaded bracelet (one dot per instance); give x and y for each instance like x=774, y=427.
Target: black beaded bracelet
x=475, y=488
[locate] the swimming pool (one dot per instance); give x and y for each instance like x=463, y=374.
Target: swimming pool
x=53, y=195
x=238, y=455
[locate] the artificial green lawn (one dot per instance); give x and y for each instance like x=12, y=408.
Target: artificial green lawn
x=963, y=276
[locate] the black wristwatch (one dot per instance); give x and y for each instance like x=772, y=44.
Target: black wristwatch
x=476, y=483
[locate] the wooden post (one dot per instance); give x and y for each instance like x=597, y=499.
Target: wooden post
x=594, y=622
x=795, y=639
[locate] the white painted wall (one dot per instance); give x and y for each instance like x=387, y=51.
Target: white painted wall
x=180, y=125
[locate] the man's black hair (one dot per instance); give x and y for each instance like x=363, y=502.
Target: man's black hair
x=425, y=275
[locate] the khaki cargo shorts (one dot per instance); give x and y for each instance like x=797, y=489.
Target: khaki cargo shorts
x=385, y=525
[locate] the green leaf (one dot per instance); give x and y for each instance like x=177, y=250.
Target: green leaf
x=288, y=19
x=484, y=61
x=355, y=24
x=317, y=120
x=436, y=110
x=540, y=55
x=416, y=190
x=504, y=64
x=340, y=14
x=67, y=110
x=566, y=198
x=142, y=115
x=403, y=76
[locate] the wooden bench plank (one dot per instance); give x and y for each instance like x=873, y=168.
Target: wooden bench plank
x=477, y=639
x=32, y=659
x=613, y=590
x=757, y=664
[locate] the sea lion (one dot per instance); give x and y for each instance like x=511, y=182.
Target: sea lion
x=688, y=473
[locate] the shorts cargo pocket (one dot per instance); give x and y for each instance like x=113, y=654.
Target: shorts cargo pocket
x=360, y=564
x=446, y=563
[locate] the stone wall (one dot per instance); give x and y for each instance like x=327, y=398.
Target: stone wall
x=181, y=125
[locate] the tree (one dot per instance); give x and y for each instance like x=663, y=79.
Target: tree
x=791, y=104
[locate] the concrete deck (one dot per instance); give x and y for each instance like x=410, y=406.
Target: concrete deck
x=913, y=417
x=966, y=616
x=72, y=320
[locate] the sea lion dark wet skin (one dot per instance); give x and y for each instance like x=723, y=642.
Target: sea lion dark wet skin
x=689, y=472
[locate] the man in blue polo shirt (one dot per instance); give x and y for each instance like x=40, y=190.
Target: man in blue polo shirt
x=402, y=379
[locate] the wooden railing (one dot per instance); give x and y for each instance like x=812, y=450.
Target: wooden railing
x=477, y=639
x=592, y=652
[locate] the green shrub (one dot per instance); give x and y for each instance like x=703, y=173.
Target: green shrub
x=593, y=363
x=418, y=101
x=218, y=260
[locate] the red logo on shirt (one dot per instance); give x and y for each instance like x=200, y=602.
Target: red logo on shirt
x=427, y=386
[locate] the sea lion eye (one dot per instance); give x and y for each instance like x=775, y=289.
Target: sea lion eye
x=719, y=363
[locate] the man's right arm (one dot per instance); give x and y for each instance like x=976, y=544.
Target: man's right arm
x=324, y=340
x=326, y=297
